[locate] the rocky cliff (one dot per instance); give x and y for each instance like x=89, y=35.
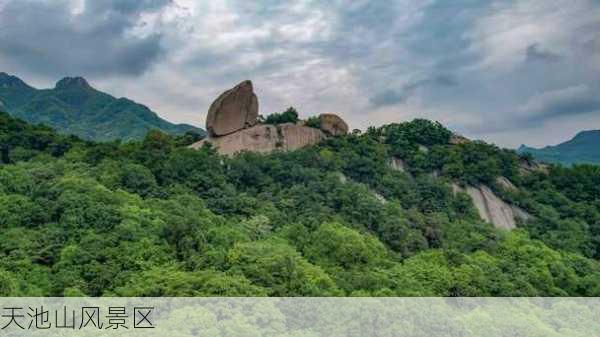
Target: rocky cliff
x=232, y=125
x=491, y=208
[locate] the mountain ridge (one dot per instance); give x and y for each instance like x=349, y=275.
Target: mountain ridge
x=73, y=106
x=581, y=149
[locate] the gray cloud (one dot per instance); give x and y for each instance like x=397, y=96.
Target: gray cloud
x=535, y=53
x=388, y=97
x=562, y=102
x=489, y=69
x=49, y=38
x=126, y=6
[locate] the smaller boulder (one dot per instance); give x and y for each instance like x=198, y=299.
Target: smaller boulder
x=333, y=124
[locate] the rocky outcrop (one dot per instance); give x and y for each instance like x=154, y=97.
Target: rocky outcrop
x=72, y=83
x=531, y=166
x=505, y=184
x=491, y=208
x=456, y=139
x=232, y=126
x=233, y=110
x=265, y=138
x=333, y=125
x=397, y=164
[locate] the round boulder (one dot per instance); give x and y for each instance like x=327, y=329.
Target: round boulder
x=333, y=124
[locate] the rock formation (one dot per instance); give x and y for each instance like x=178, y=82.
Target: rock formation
x=531, y=166
x=233, y=110
x=333, y=125
x=491, y=208
x=265, y=138
x=72, y=83
x=456, y=139
x=397, y=164
x=232, y=126
x=505, y=184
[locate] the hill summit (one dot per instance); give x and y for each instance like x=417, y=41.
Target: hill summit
x=8, y=81
x=582, y=149
x=72, y=83
x=73, y=106
x=234, y=125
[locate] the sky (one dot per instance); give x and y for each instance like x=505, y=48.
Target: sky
x=508, y=72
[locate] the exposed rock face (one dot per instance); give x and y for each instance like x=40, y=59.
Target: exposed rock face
x=397, y=164
x=379, y=197
x=493, y=209
x=456, y=139
x=233, y=110
x=265, y=138
x=506, y=184
x=232, y=127
x=72, y=83
x=333, y=124
x=527, y=167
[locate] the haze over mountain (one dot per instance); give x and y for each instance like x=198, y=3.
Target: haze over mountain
x=584, y=148
x=74, y=107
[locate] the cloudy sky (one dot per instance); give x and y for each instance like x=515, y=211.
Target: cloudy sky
x=508, y=72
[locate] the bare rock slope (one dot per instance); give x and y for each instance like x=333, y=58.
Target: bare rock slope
x=265, y=138
x=491, y=208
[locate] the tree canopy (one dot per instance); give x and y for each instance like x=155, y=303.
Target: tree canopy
x=154, y=218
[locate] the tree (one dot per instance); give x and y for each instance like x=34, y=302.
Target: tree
x=288, y=116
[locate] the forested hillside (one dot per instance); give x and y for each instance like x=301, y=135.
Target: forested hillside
x=155, y=218
x=74, y=107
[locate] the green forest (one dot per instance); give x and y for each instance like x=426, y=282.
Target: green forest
x=154, y=218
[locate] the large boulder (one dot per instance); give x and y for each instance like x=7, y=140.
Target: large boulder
x=233, y=110
x=333, y=124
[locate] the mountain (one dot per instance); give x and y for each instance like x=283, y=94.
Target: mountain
x=392, y=211
x=74, y=107
x=584, y=148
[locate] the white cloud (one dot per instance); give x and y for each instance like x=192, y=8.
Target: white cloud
x=503, y=35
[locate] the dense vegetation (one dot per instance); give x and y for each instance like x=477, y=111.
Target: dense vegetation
x=74, y=107
x=582, y=149
x=154, y=218
x=290, y=115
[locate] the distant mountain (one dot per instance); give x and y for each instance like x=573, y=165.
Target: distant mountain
x=583, y=148
x=74, y=107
